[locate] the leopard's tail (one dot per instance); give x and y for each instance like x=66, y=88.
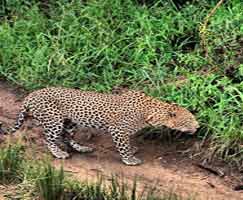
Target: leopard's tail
x=20, y=119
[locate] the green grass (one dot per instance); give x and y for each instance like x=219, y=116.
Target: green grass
x=50, y=183
x=11, y=159
x=97, y=45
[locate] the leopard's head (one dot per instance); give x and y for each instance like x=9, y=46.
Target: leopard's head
x=172, y=116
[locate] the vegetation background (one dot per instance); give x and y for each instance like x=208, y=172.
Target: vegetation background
x=173, y=50
x=161, y=47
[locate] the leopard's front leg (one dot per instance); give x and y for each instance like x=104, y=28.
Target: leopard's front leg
x=122, y=142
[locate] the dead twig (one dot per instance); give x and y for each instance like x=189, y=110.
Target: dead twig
x=210, y=169
x=211, y=185
x=203, y=28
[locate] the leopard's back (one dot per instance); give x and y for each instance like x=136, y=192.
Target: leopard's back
x=83, y=107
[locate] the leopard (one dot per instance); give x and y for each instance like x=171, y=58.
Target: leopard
x=121, y=115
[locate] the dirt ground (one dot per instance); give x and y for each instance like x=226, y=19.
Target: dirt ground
x=164, y=163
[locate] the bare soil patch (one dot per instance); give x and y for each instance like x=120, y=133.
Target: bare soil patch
x=166, y=164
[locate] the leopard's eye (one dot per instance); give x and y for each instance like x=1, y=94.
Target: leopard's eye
x=172, y=114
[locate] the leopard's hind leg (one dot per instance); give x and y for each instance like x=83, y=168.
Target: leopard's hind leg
x=69, y=129
x=53, y=136
x=52, y=121
x=77, y=147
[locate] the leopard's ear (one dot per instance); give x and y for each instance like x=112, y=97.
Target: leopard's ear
x=173, y=106
x=139, y=92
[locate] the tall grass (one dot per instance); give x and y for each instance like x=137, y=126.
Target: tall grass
x=50, y=183
x=95, y=45
x=11, y=159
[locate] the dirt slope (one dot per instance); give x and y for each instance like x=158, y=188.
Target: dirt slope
x=162, y=165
